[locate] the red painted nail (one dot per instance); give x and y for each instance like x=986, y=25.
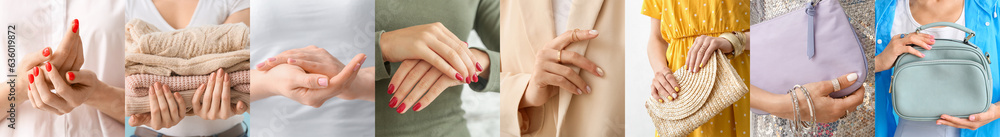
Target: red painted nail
x=31, y=80
x=391, y=89
x=71, y=76
x=48, y=66
x=35, y=73
x=46, y=51
x=479, y=67
x=392, y=102
x=417, y=106
x=401, y=107
x=475, y=78
x=459, y=77
x=76, y=25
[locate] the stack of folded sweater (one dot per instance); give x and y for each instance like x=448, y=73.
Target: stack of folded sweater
x=182, y=60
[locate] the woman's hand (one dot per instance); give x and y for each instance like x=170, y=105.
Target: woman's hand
x=311, y=89
x=68, y=57
x=898, y=46
x=212, y=101
x=166, y=109
x=975, y=120
x=552, y=68
x=827, y=109
x=426, y=84
x=55, y=93
x=665, y=85
x=432, y=43
x=312, y=59
x=702, y=50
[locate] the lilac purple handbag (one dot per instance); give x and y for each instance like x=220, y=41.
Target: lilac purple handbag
x=812, y=44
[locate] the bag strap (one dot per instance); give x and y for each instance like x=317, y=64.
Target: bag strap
x=949, y=24
x=811, y=38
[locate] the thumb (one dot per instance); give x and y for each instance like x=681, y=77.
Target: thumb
x=844, y=81
x=350, y=71
x=983, y=116
x=311, y=81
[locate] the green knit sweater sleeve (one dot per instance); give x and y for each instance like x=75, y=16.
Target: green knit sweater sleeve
x=381, y=71
x=487, y=25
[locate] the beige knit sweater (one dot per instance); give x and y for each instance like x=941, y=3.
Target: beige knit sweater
x=182, y=60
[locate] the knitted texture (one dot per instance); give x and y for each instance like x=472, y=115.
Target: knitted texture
x=186, y=43
x=182, y=60
x=138, y=88
x=138, y=63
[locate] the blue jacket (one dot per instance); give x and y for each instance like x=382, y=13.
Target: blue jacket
x=981, y=17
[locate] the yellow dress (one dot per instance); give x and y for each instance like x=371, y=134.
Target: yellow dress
x=681, y=21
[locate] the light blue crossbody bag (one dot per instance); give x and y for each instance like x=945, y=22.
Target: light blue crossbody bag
x=953, y=78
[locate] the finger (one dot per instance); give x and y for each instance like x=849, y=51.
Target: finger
x=982, y=116
x=453, y=57
x=216, y=95
x=401, y=72
x=845, y=81
x=566, y=38
x=425, y=83
x=913, y=51
x=349, y=72
x=171, y=104
x=196, y=99
x=272, y=62
x=225, y=106
x=666, y=88
x=922, y=40
x=439, y=86
x=699, y=54
x=81, y=77
x=672, y=81
x=206, y=99
x=958, y=122
x=154, y=107
x=408, y=84
x=952, y=124
x=851, y=102
x=50, y=100
x=569, y=74
x=706, y=54
x=456, y=44
x=164, y=105
x=442, y=65
x=692, y=50
x=240, y=107
x=578, y=60
x=658, y=91
x=181, y=105
x=312, y=81
x=561, y=82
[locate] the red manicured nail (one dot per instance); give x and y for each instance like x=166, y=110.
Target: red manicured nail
x=459, y=77
x=468, y=80
x=417, y=106
x=46, y=51
x=391, y=89
x=31, y=80
x=76, y=25
x=479, y=67
x=401, y=107
x=392, y=102
x=35, y=73
x=475, y=78
x=48, y=66
x=71, y=76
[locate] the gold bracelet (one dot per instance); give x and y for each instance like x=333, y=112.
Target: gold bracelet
x=734, y=40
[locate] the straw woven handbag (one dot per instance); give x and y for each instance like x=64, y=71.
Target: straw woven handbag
x=703, y=95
